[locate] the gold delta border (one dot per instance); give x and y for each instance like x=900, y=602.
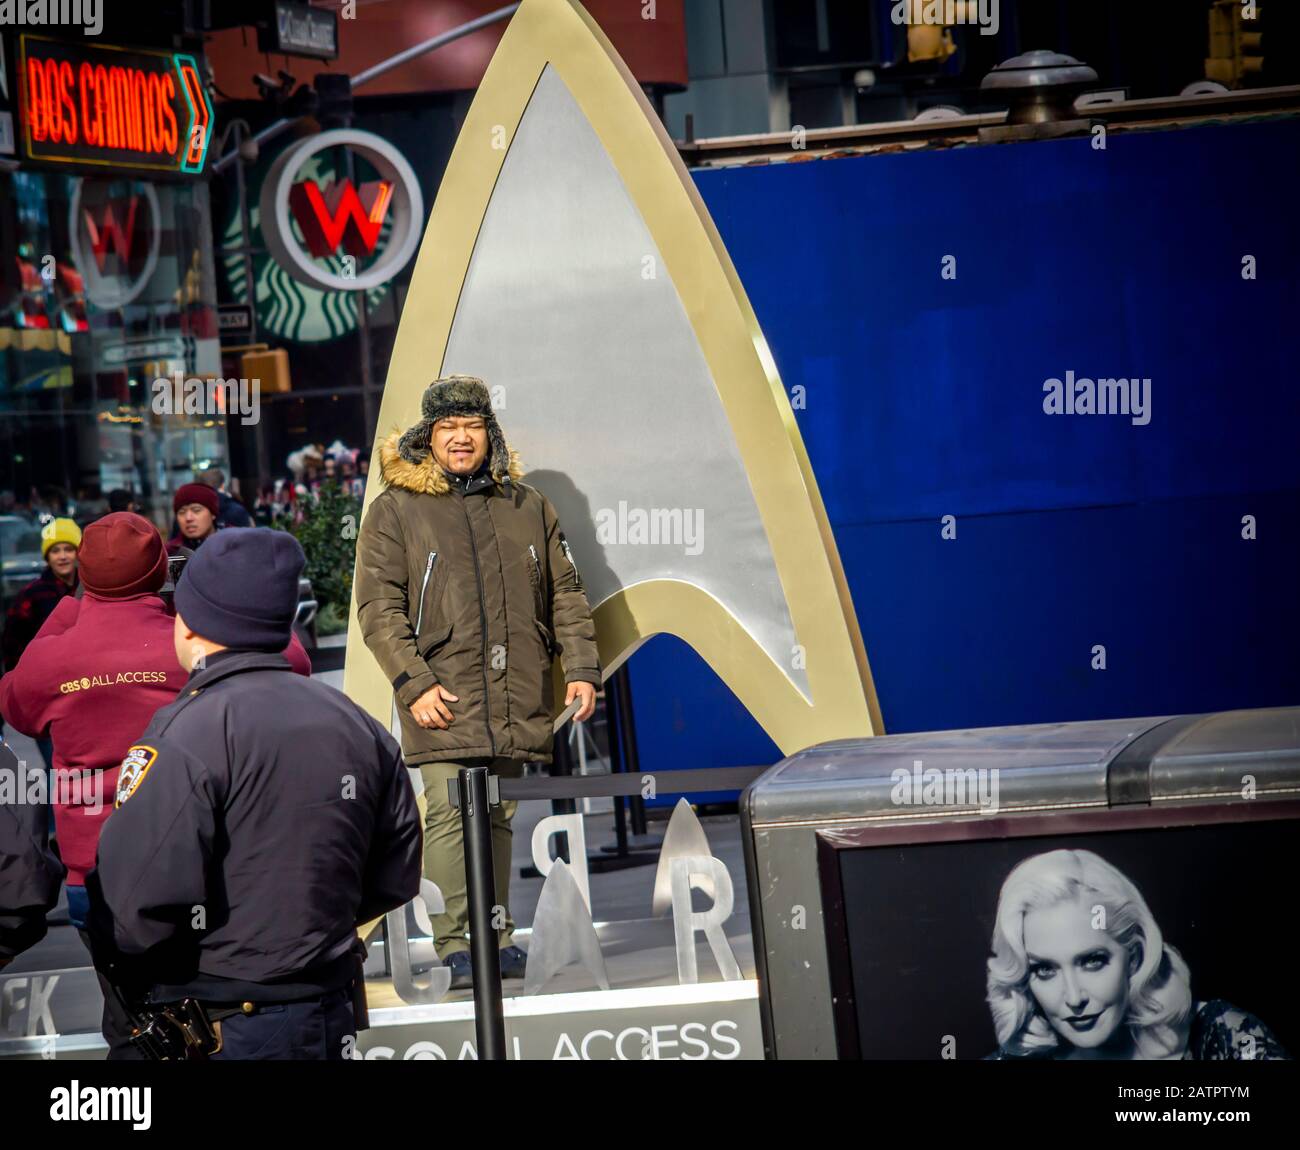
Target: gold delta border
x=561, y=33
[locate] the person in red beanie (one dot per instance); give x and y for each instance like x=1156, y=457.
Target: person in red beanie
x=197, y=508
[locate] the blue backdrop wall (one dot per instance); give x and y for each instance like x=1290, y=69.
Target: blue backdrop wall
x=922, y=397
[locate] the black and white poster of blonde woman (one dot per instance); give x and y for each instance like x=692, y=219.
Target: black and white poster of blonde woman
x=1081, y=970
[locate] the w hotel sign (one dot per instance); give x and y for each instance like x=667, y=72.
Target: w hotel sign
x=108, y=109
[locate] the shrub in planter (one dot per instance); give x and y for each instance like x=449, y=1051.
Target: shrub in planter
x=327, y=530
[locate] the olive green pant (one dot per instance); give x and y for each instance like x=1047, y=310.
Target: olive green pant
x=444, y=854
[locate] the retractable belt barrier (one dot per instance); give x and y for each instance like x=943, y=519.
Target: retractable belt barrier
x=611, y=786
x=485, y=791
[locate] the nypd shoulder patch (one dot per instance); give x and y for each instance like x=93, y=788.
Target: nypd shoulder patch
x=134, y=768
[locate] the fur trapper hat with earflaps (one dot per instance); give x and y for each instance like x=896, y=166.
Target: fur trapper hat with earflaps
x=457, y=395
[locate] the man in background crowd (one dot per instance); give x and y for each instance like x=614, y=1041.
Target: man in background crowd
x=198, y=509
x=230, y=512
x=123, y=500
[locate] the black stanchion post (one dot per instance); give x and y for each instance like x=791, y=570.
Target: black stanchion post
x=627, y=733
x=476, y=825
x=614, y=732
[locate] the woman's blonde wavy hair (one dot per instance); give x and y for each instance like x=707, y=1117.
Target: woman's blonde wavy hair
x=1160, y=996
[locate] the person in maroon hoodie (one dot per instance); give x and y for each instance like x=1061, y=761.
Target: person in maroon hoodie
x=93, y=677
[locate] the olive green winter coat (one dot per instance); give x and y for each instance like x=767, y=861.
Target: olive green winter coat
x=477, y=593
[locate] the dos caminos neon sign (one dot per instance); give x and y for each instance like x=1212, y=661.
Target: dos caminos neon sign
x=115, y=107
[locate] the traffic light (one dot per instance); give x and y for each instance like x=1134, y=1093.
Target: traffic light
x=1236, y=43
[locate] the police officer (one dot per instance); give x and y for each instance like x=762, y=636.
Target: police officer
x=258, y=820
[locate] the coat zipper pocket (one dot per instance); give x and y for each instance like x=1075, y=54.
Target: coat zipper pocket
x=428, y=570
x=568, y=554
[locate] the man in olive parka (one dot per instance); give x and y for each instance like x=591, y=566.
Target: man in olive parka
x=466, y=592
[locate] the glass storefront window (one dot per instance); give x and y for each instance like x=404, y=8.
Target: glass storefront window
x=107, y=286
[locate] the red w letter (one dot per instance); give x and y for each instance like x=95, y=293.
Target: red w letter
x=340, y=216
x=110, y=233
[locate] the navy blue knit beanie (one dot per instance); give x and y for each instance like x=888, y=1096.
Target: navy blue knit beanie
x=241, y=588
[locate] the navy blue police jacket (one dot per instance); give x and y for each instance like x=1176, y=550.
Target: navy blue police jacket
x=259, y=819
x=30, y=872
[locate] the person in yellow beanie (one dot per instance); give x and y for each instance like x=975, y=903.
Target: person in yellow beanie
x=60, y=542
x=61, y=532
x=27, y=612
